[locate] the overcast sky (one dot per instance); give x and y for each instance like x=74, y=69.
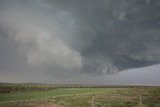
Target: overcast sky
x=80, y=41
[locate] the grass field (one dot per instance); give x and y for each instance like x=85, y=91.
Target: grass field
x=85, y=97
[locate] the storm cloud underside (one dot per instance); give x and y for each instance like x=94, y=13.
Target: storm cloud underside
x=71, y=37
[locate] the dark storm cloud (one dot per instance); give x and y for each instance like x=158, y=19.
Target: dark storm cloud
x=91, y=36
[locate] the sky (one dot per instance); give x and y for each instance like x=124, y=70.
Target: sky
x=80, y=41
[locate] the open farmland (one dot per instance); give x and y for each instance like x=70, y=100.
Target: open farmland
x=97, y=96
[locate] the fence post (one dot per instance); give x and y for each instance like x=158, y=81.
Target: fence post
x=140, y=99
x=35, y=97
x=92, y=103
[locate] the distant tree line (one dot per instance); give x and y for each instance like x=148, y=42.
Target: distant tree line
x=16, y=88
x=11, y=88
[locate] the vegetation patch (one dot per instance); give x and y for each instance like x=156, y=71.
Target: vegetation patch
x=84, y=97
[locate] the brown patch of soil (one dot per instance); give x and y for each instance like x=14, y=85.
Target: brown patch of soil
x=45, y=105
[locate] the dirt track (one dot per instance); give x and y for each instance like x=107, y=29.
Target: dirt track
x=45, y=105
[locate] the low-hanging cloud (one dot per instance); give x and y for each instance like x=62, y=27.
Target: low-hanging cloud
x=92, y=36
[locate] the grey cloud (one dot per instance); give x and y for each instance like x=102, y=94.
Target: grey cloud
x=92, y=36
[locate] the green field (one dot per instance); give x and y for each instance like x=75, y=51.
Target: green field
x=85, y=97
